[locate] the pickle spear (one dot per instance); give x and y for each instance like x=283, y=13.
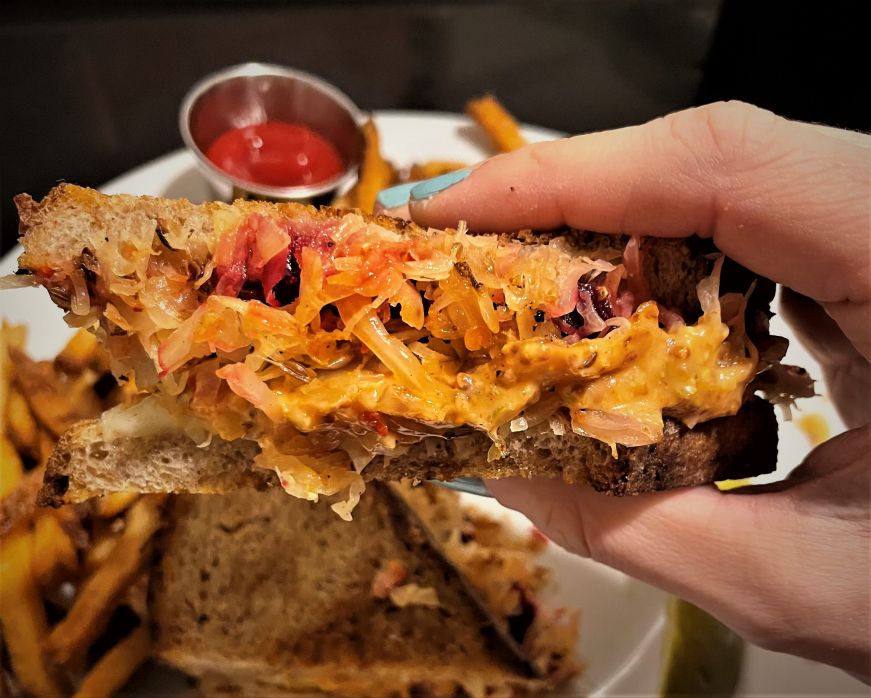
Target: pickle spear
x=702, y=656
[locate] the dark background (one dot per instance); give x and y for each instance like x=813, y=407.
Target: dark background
x=91, y=89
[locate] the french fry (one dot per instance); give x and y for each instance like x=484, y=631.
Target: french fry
x=56, y=400
x=11, y=468
x=98, y=596
x=116, y=666
x=39, y=548
x=18, y=506
x=375, y=173
x=54, y=555
x=10, y=336
x=136, y=596
x=79, y=353
x=13, y=336
x=59, y=412
x=22, y=617
x=113, y=504
x=99, y=551
x=433, y=168
x=20, y=424
x=46, y=447
x=497, y=123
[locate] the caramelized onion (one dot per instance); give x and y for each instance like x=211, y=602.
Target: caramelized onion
x=634, y=265
x=616, y=429
x=708, y=290
x=18, y=281
x=80, y=300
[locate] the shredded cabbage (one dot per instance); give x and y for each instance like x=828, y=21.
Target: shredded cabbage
x=412, y=594
x=323, y=340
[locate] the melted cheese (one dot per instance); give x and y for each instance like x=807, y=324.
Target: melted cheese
x=639, y=371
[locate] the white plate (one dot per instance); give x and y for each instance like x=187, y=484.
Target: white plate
x=622, y=619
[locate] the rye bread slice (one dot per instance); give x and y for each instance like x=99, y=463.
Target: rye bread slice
x=85, y=465
x=262, y=593
x=57, y=230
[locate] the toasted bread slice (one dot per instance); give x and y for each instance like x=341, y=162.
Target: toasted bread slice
x=58, y=229
x=268, y=596
x=86, y=465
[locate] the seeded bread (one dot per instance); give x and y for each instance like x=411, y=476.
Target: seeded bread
x=262, y=594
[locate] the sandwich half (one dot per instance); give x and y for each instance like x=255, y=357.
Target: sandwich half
x=317, y=349
x=256, y=594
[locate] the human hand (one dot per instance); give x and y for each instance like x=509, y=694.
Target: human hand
x=788, y=565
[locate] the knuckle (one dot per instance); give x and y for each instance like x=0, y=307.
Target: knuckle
x=725, y=133
x=543, y=154
x=727, y=126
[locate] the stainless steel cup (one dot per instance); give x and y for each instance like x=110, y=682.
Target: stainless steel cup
x=252, y=93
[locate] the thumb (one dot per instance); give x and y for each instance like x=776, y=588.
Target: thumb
x=786, y=567
x=673, y=540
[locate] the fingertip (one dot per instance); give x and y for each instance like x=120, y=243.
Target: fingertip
x=508, y=491
x=502, y=193
x=441, y=202
x=398, y=212
x=550, y=504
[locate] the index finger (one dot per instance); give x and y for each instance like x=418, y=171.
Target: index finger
x=788, y=200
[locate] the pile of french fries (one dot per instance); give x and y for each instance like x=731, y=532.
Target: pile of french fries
x=73, y=580
x=376, y=173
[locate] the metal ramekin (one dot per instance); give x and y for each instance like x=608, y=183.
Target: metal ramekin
x=252, y=93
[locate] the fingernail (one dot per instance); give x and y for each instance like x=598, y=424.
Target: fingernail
x=431, y=187
x=397, y=196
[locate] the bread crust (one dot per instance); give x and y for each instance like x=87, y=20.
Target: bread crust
x=727, y=448
x=56, y=230
x=86, y=465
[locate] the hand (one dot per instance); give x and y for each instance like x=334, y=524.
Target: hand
x=787, y=566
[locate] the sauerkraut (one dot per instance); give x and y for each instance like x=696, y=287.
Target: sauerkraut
x=330, y=341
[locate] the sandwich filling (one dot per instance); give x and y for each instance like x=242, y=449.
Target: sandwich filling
x=330, y=340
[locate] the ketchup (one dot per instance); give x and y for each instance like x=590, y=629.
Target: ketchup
x=276, y=154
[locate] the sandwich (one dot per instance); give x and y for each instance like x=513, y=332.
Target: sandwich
x=442, y=601
x=278, y=344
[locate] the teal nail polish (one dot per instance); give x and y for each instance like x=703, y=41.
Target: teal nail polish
x=393, y=197
x=431, y=187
